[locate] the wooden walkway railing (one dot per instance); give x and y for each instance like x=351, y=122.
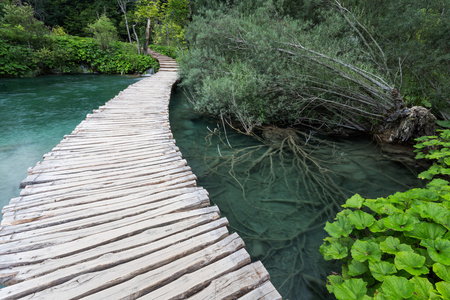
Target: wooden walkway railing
x=113, y=212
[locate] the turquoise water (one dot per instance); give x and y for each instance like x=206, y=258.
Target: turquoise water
x=262, y=192
x=277, y=200
x=35, y=114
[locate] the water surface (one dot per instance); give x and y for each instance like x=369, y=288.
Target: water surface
x=277, y=199
x=36, y=113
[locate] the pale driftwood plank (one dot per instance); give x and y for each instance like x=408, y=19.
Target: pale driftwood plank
x=177, y=263
x=162, y=235
x=234, y=284
x=149, y=256
x=265, y=292
x=142, y=205
x=190, y=283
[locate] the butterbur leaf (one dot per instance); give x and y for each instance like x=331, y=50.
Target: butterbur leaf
x=395, y=287
x=340, y=227
x=378, y=226
x=443, y=288
x=356, y=268
x=439, y=250
x=333, y=251
x=350, y=289
x=425, y=230
x=442, y=271
x=433, y=211
x=411, y=262
x=361, y=219
x=333, y=280
x=392, y=246
x=423, y=288
x=356, y=201
x=400, y=222
x=363, y=250
x=381, y=269
x=374, y=205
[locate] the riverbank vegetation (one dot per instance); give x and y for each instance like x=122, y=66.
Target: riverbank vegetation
x=35, y=39
x=330, y=65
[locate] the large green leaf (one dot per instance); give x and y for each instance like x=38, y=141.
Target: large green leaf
x=411, y=262
x=392, y=245
x=361, y=219
x=340, y=227
x=395, y=287
x=433, y=211
x=363, y=250
x=332, y=281
x=333, y=251
x=400, y=222
x=378, y=226
x=423, y=288
x=425, y=230
x=381, y=269
x=350, y=289
x=356, y=268
x=356, y=201
x=444, y=289
x=442, y=271
x=439, y=250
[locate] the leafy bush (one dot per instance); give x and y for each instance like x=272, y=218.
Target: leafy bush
x=396, y=247
x=15, y=60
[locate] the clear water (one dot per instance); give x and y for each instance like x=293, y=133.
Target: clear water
x=35, y=114
x=266, y=202
x=266, y=199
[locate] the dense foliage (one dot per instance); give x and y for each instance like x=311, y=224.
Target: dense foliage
x=396, y=247
x=319, y=63
x=28, y=47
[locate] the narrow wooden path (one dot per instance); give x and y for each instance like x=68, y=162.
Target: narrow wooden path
x=113, y=212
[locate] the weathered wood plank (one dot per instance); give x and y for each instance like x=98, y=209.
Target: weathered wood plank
x=265, y=292
x=234, y=284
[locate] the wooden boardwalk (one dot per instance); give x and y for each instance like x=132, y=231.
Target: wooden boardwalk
x=113, y=212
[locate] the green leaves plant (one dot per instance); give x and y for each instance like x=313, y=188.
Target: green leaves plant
x=380, y=270
x=411, y=262
x=341, y=227
x=396, y=287
x=361, y=219
x=350, y=289
x=439, y=250
x=363, y=250
x=394, y=248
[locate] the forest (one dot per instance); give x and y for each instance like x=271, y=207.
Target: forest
x=271, y=68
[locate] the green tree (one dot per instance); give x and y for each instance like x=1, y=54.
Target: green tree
x=104, y=31
x=19, y=27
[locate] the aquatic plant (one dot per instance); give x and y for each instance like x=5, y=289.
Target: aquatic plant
x=396, y=247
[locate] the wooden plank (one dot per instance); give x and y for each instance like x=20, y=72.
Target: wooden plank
x=68, y=269
x=234, y=284
x=190, y=283
x=265, y=292
x=176, y=261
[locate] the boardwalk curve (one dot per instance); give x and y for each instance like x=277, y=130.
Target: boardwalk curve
x=114, y=212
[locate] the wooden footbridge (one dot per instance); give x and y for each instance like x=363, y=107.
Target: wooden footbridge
x=113, y=212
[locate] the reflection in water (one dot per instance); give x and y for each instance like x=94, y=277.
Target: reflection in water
x=278, y=196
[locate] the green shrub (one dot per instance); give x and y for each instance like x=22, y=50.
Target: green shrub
x=15, y=60
x=396, y=247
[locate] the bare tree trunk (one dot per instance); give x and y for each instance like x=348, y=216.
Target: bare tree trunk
x=137, y=39
x=147, y=35
x=123, y=8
